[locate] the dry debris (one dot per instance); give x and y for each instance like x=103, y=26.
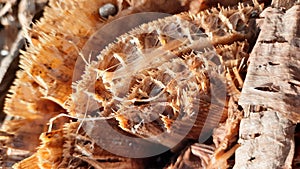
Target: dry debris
x=161, y=81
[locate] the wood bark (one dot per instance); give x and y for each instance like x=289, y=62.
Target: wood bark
x=271, y=93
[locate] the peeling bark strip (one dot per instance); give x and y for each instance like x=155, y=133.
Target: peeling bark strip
x=273, y=77
x=266, y=140
x=271, y=93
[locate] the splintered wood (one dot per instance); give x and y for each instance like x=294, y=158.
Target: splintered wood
x=270, y=96
x=159, y=73
x=156, y=77
x=42, y=87
x=136, y=81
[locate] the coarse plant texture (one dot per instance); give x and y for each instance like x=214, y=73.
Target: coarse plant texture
x=43, y=88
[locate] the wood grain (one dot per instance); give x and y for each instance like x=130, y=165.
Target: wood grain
x=270, y=96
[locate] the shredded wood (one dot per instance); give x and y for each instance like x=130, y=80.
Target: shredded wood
x=157, y=81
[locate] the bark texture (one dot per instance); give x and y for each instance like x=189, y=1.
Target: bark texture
x=270, y=96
